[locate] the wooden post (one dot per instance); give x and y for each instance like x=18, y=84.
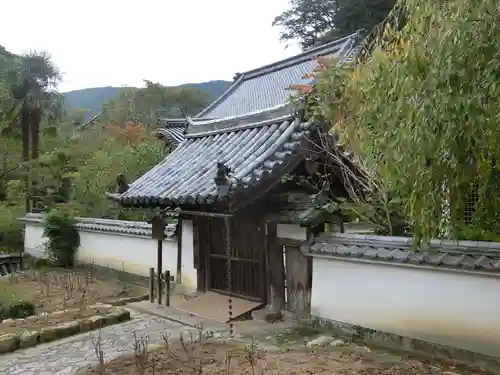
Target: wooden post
x=179, y=251
x=229, y=252
x=158, y=233
x=298, y=282
x=151, y=284
x=167, y=288
x=276, y=269
x=159, y=270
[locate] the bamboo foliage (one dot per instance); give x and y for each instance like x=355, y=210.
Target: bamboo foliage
x=421, y=112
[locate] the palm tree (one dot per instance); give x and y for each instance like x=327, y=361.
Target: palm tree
x=32, y=80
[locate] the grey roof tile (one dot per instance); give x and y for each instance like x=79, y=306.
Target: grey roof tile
x=343, y=250
x=253, y=152
x=484, y=262
x=370, y=253
x=451, y=260
x=357, y=251
x=384, y=254
x=415, y=258
x=467, y=255
x=400, y=256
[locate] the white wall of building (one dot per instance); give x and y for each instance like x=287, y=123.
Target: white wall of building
x=291, y=231
x=189, y=273
x=124, y=251
x=453, y=308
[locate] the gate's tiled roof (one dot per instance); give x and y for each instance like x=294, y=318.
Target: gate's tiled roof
x=462, y=255
x=254, y=151
x=249, y=128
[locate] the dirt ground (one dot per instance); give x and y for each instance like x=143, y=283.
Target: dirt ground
x=238, y=360
x=58, y=289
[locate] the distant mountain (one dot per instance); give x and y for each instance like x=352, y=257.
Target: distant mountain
x=93, y=98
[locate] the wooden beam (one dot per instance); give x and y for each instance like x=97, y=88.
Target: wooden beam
x=290, y=242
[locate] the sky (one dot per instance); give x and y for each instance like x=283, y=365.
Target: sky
x=120, y=43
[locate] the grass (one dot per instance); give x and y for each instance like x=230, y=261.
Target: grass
x=9, y=294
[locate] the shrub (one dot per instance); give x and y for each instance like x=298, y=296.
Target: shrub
x=62, y=236
x=16, y=309
x=11, y=230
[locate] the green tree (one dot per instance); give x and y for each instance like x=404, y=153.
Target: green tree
x=146, y=105
x=130, y=151
x=316, y=22
x=31, y=80
x=422, y=112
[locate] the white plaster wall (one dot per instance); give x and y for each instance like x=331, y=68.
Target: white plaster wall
x=189, y=273
x=291, y=231
x=134, y=254
x=450, y=308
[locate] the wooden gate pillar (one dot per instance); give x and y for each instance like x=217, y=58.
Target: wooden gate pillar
x=298, y=281
x=276, y=270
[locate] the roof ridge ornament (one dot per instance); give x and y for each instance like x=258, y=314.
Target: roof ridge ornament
x=189, y=123
x=121, y=183
x=221, y=179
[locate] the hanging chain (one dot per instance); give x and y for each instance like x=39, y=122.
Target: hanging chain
x=227, y=221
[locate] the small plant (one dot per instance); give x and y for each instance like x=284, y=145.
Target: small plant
x=84, y=294
x=99, y=352
x=140, y=345
x=63, y=237
x=123, y=281
x=13, y=278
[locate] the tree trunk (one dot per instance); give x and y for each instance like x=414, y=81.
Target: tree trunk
x=25, y=129
x=35, y=118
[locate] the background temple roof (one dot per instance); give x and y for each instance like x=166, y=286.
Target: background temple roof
x=265, y=87
x=268, y=86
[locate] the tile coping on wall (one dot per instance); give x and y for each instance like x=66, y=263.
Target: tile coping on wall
x=118, y=227
x=409, y=345
x=463, y=256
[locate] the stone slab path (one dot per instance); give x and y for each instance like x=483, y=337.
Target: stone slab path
x=65, y=357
